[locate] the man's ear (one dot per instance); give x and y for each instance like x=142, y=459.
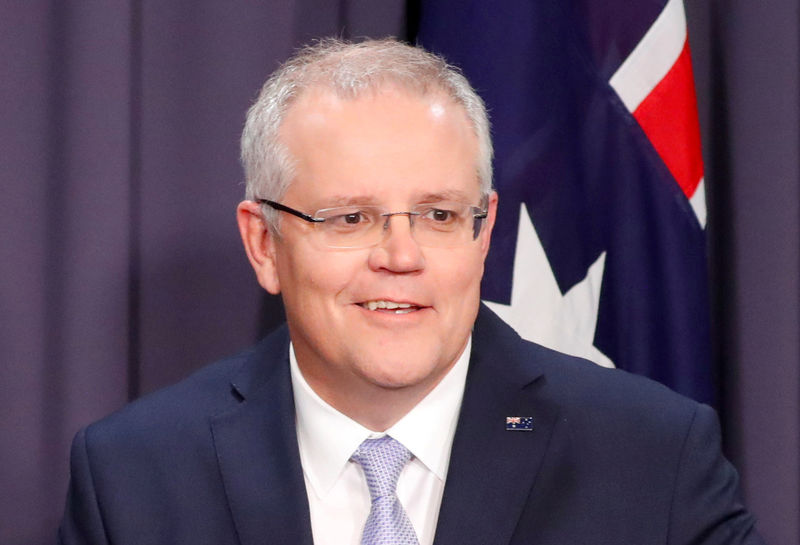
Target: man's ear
x=486, y=234
x=259, y=243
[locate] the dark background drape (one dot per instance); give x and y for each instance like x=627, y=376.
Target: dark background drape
x=120, y=265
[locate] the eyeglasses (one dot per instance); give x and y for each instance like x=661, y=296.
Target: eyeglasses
x=434, y=225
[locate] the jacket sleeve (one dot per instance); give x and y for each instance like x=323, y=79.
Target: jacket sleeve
x=82, y=523
x=706, y=507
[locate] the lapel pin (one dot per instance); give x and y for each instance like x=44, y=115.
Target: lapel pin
x=519, y=423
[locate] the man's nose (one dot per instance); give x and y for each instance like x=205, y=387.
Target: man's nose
x=398, y=251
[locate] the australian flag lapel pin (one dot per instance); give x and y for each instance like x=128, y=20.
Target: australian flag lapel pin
x=519, y=423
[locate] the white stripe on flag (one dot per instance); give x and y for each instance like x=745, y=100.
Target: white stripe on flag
x=653, y=56
x=698, y=202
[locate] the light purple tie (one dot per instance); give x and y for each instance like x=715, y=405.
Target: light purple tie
x=382, y=461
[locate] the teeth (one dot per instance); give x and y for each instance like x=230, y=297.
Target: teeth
x=389, y=305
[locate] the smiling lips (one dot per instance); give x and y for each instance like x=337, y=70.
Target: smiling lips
x=397, y=308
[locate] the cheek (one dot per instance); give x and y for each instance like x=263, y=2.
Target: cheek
x=317, y=280
x=460, y=278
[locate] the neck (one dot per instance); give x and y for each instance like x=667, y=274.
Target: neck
x=375, y=407
x=376, y=395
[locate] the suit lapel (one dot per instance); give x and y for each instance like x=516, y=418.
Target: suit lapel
x=257, y=452
x=493, y=470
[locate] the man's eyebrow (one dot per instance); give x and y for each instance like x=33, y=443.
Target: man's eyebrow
x=446, y=195
x=347, y=200
x=334, y=201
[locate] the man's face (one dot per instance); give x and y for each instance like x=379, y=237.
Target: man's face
x=394, y=150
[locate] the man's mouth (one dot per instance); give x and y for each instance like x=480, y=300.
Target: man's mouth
x=390, y=306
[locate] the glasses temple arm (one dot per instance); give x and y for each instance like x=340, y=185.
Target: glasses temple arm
x=292, y=211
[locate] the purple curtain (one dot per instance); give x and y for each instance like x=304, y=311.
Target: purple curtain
x=120, y=265
x=746, y=61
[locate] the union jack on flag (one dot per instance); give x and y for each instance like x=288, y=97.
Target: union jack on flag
x=599, y=245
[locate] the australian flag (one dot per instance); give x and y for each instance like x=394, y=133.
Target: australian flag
x=519, y=423
x=599, y=247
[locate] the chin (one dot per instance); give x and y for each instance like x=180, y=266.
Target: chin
x=400, y=377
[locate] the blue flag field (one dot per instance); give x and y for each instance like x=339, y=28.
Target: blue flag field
x=599, y=248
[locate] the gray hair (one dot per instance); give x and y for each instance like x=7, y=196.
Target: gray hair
x=349, y=70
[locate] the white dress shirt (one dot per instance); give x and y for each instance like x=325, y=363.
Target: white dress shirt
x=338, y=496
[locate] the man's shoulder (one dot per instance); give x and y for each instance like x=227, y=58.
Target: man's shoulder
x=615, y=397
x=187, y=406
x=585, y=389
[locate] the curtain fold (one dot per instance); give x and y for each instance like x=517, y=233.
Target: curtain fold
x=746, y=67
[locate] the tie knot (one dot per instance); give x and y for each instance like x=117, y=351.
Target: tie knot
x=382, y=461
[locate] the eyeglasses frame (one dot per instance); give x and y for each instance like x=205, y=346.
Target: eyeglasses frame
x=311, y=219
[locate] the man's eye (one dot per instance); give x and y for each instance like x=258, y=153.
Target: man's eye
x=355, y=218
x=440, y=215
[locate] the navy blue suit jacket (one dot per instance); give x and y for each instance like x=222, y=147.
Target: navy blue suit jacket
x=612, y=459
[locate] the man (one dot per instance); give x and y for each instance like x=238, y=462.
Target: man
x=393, y=408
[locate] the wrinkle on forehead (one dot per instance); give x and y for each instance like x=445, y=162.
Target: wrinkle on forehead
x=451, y=195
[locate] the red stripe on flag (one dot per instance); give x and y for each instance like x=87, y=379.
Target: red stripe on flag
x=668, y=116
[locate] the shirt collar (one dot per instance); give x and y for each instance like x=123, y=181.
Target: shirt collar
x=328, y=438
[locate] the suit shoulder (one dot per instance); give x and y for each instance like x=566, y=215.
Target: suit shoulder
x=186, y=407
x=613, y=397
x=577, y=382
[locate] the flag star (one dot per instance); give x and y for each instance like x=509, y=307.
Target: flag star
x=539, y=312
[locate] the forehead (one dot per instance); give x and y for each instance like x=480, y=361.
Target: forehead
x=384, y=143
